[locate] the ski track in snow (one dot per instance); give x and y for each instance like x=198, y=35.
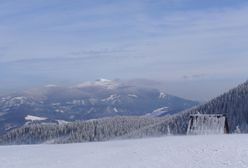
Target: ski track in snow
x=209, y=151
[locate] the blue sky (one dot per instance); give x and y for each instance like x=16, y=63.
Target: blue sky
x=179, y=42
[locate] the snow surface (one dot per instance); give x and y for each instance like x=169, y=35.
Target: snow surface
x=133, y=95
x=109, y=84
x=159, y=111
x=115, y=110
x=34, y=118
x=61, y=122
x=162, y=95
x=209, y=151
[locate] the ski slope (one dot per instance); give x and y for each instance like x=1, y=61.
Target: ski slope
x=210, y=151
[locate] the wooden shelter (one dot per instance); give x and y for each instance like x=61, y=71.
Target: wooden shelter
x=200, y=124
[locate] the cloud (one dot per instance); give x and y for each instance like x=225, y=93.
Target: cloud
x=103, y=51
x=191, y=38
x=194, y=76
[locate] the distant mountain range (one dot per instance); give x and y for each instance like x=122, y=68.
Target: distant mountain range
x=88, y=100
x=233, y=104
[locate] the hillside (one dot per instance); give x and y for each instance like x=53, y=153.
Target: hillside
x=91, y=130
x=88, y=100
x=222, y=151
x=234, y=104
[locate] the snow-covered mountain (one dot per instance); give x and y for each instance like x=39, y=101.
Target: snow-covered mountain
x=146, y=104
x=87, y=100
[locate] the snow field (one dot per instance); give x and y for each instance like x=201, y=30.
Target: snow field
x=209, y=151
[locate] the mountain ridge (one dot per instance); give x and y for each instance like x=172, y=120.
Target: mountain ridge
x=91, y=100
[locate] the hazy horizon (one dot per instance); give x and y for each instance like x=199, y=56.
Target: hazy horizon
x=188, y=89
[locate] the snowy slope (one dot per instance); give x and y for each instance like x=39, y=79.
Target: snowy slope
x=34, y=118
x=222, y=151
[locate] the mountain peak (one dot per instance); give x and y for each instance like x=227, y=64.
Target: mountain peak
x=106, y=83
x=103, y=80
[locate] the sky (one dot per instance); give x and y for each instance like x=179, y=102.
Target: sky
x=196, y=48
